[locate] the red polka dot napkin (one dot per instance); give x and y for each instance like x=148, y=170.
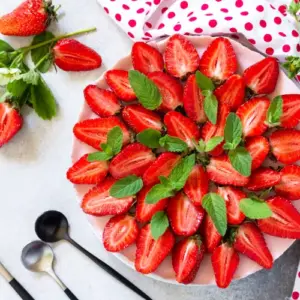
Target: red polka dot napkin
x=265, y=23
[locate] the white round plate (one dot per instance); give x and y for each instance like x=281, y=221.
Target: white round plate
x=278, y=246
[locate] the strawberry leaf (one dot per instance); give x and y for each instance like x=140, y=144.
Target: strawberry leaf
x=127, y=186
x=274, y=112
x=215, y=206
x=213, y=143
x=255, y=209
x=233, y=131
x=115, y=139
x=203, y=82
x=159, y=224
x=38, y=53
x=98, y=156
x=159, y=192
x=241, y=160
x=210, y=106
x=149, y=137
x=145, y=89
x=201, y=146
x=181, y=172
x=4, y=46
x=173, y=144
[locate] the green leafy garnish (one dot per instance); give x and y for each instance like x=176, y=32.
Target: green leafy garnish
x=255, y=208
x=127, y=186
x=203, y=82
x=159, y=224
x=232, y=132
x=274, y=112
x=292, y=65
x=210, y=106
x=173, y=144
x=213, y=143
x=149, y=137
x=241, y=160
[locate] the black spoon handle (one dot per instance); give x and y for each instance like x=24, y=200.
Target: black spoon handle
x=20, y=290
x=70, y=294
x=110, y=270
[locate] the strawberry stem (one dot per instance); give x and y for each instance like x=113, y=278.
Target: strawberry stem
x=57, y=8
x=55, y=39
x=41, y=61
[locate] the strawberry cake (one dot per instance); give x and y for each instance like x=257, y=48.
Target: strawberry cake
x=185, y=160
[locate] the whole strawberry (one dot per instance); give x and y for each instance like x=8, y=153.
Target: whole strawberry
x=30, y=18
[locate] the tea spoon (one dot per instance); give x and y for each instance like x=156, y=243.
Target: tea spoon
x=52, y=226
x=38, y=256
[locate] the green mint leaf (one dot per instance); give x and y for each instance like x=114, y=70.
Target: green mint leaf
x=4, y=46
x=203, y=82
x=165, y=182
x=294, y=8
x=149, y=137
x=173, y=144
x=102, y=156
x=241, y=160
x=213, y=143
x=255, y=209
x=42, y=100
x=292, y=65
x=38, y=53
x=127, y=186
x=145, y=89
x=215, y=206
x=229, y=146
x=115, y=139
x=159, y=224
x=30, y=77
x=275, y=111
x=233, y=131
x=210, y=106
x=157, y=193
x=181, y=172
x=17, y=88
x=107, y=149
x=201, y=146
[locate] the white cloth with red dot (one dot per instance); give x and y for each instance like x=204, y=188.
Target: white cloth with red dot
x=264, y=24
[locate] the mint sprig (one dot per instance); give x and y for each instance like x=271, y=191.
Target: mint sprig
x=145, y=89
x=255, y=208
x=111, y=148
x=241, y=160
x=159, y=224
x=292, y=65
x=204, y=82
x=232, y=132
x=294, y=8
x=209, y=145
x=153, y=139
x=127, y=186
x=275, y=111
x=215, y=206
x=174, y=182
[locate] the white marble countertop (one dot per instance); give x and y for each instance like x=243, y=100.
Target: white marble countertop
x=32, y=176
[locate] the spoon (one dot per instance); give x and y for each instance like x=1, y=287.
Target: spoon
x=38, y=256
x=52, y=226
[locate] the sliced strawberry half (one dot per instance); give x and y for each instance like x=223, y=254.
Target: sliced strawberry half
x=197, y=185
x=119, y=233
x=118, y=81
x=232, y=92
x=219, y=60
x=145, y=211
x=184, y=216
x=193, y=100
x=232, y=197
x=250, y=241
x=289, y=185
x=262, y=77
x=94, y=131
x=285, y=145
x=253, y=115
x=102, y=102
x=186, y=258
x=212, y=237
x=210, y=130
x=162, y=166
x=139, y=118
x=263, y=178
x=182, y=127
x=10, y=123
x=146, y=58
x=221, y=171
x=225, y=261
x=71, y=55
x=181, y=56
x=150, y=253
x=98, y=202
x=134, y=159
x=285, y=220
x=258, y=147
x=291, y=111
x=170, y=89
x=85, y=172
